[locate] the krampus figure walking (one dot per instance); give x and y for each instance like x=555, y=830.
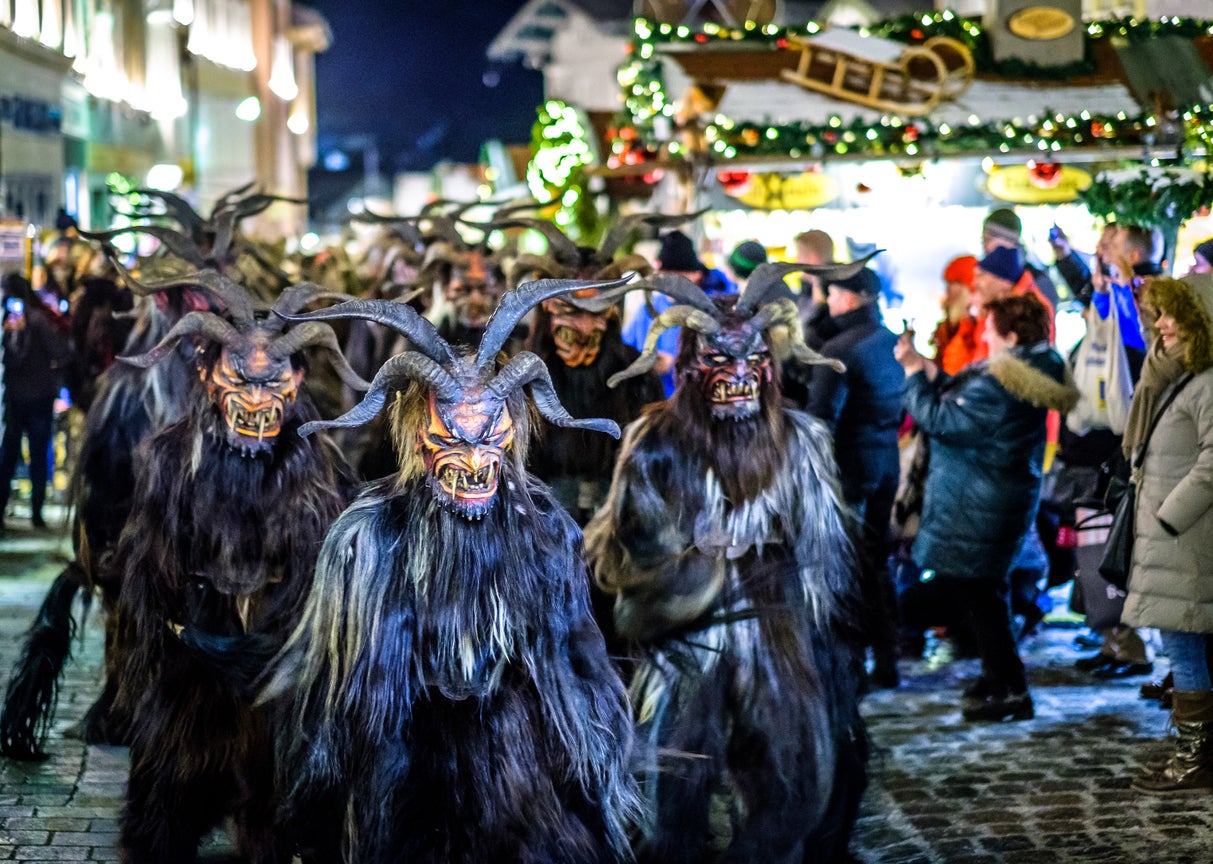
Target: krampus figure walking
x=723, y=538
x=130, y=405
x=448, y=695
x=229, y=511
x=578, y=338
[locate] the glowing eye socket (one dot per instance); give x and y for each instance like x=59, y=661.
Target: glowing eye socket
x=756, y=357
x=719, y=359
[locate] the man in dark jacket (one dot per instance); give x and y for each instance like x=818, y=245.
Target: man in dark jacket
x=862, y=407
x=34, y=353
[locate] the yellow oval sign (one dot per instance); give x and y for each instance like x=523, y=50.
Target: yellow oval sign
x=1019, y=184
x=1040, y=23
x=780, y=192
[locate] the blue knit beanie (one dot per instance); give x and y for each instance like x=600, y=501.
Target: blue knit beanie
x=1005, y=263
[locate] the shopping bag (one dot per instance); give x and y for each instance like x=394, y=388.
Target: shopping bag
x=1094, y=597
x=1101, y=375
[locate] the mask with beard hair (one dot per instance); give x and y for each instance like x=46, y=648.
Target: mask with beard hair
x=731, y=365
x=248, y=362
x=467, y=429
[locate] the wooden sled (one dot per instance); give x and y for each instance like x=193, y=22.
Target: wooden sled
x=914, y=81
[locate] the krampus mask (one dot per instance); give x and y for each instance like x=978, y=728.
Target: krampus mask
x=251, y=380
x=473, y=408
x=732, y=362
x=577, y=329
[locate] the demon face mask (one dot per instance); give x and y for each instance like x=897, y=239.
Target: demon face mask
x=732, y=373
x=252, y=382
x=463, y=446
x=732, y=362
x=467, y=431
x=252, y=391
x=472, y=289
x=576, y=333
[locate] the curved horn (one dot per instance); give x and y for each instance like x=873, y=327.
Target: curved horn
x=627, y=264
x=178, y=208
x=409, y=366
x=319, y=334
x=675, y=316
x=766, y=284
x=527, y=368
x=783, y=311
x=235, y=297
x=560, y=246
x=207, y=324
x=543, y=266
x=398, y=316
x=294, y=298
x=623, y=228
x=683, y=290
x=231, y=195
x=758, y=290
x=174, y=241
x=514, y=304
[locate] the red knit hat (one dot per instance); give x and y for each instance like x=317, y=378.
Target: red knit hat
x=961, y=270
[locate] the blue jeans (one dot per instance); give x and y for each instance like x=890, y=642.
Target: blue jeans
x=1189, y=662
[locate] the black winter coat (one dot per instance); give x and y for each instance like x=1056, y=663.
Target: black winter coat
x=987, y=431
x=861, y=406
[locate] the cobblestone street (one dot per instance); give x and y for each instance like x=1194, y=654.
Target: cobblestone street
x=1053, y=789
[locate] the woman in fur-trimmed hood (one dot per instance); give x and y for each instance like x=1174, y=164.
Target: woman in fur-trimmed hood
x=1171, y=582
x=987, y=431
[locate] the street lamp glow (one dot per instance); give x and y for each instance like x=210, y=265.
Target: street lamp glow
x=165, y=176
x=249, y=110
x=298, y=122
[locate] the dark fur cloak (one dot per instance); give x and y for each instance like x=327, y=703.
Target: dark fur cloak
x=130, y=404
x=726, y=546
x=448, y=696
x=216, y=559
x=570, y=457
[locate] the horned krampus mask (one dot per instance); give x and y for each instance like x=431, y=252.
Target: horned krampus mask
x=474, y=417
x=251, y=380
x=732, y=361
x=577, y=329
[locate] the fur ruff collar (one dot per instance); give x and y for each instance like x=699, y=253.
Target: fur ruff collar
x=1024, y=381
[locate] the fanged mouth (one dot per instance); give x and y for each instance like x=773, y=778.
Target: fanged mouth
x=260, y=424
x=573, y=337
x=474, y=485
x=726, y=393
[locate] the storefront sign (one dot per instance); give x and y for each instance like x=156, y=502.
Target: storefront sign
x=1021, y=184
x=780, y=192
x=30, y=115
x=12, y=241
x=1041, y=23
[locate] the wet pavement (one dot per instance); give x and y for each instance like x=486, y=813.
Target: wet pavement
x=943, y=791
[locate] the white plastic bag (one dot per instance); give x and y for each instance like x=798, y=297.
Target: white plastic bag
x=1101, y=374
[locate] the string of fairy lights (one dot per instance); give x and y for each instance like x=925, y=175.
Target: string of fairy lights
x=643, y=131
x=646, y=100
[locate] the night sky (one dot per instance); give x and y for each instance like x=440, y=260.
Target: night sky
x=415, y=76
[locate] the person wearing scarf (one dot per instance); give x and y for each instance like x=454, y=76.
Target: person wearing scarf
x=1171, y=579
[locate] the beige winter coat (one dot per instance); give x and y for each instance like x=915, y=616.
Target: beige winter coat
x=1171, y=583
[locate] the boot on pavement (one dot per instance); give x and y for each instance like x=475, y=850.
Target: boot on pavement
x=1190, y=765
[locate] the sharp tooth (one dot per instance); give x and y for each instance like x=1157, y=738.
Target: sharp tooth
x=261, y=429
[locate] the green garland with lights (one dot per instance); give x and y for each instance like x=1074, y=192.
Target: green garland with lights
x=561, y=152
x=1154, y=196
x=645, y=99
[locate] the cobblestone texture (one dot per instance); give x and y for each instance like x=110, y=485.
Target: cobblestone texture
x=1051, y=790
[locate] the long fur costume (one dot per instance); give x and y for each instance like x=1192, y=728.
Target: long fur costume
x=725, y=544
x=448, y=697
x=455, y=702
x=570, y=458
x=130, y=404
x=222, y=545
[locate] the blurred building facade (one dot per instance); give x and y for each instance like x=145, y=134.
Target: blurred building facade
x=193, y=96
